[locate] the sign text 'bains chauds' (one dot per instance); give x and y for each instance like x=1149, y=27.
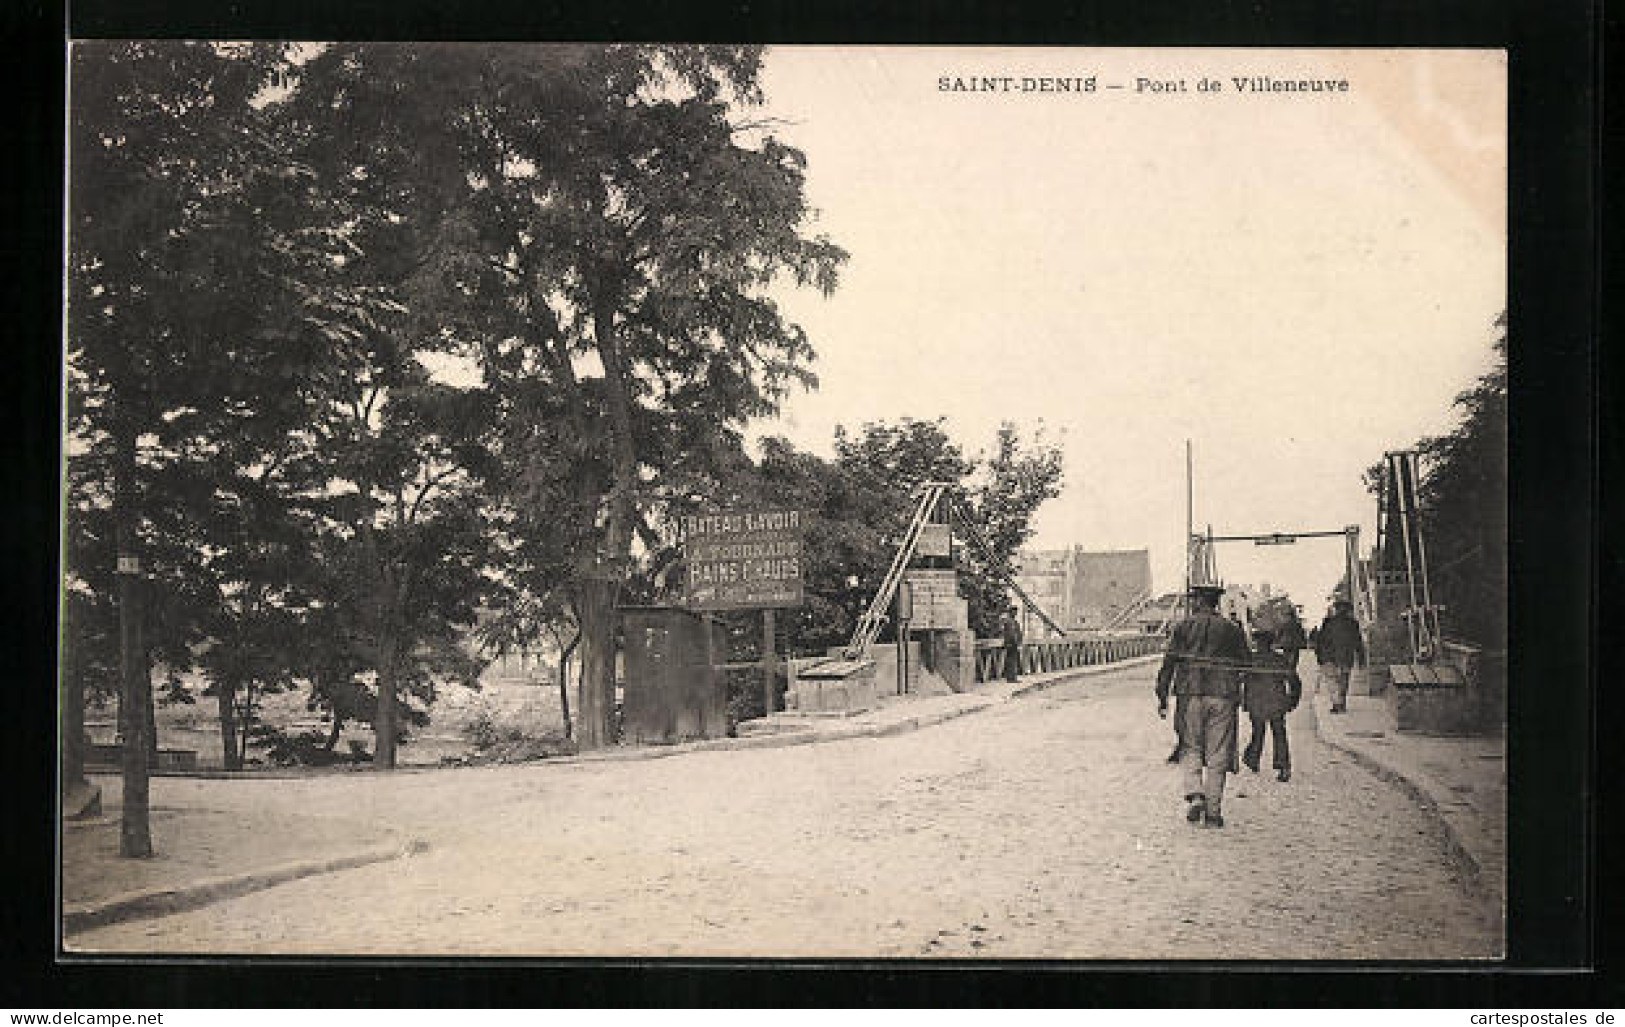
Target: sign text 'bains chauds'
x=743, y=559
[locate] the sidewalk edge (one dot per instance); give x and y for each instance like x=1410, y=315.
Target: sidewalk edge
x=839, y=733
x=165, y=900
x=1087, y=671
x=842, y=732
x=1472, y=871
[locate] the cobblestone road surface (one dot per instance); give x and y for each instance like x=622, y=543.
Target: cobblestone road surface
x=1047, y=827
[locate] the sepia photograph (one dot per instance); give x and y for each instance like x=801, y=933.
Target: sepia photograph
x=669, y=501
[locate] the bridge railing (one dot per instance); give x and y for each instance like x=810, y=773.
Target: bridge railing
x=1050, y=654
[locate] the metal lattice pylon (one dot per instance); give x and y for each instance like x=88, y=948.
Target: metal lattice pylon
x=1403, y=531
x=930, y=496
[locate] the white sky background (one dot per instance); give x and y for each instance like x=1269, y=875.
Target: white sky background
x=1294, y=282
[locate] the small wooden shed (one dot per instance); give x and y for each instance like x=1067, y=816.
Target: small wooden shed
x=674, y=693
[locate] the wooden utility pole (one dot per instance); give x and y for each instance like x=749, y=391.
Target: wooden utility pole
x=770, y=660
x=73, y=731
x=904, y=612
x=135, y=834
x=1210, y=569
x=1190, y=493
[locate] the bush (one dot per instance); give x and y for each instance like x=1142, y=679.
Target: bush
x=481, y=731
x=305, y=749
x=745, y=694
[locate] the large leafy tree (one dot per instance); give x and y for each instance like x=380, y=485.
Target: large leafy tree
x=1462, y=509
x=887, y=464
x=249, y=584
x=402, y=450
x=272, y=249
x=1017, y=477
x=858, y=506
x=186, y=333
x=998, y=492
x=626, y=226
x=848, y=523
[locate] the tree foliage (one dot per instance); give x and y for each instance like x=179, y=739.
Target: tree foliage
x=1017, y=478
x=1462, y=508
x=184, y=338
x=364, y=336
x=859, y=506
x=622, y=229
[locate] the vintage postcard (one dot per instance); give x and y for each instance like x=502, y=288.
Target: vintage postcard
x=795, y=501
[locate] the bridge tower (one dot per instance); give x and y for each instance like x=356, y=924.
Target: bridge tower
x=1401, y=619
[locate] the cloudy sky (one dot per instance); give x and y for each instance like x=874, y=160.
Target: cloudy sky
x=1293, y=281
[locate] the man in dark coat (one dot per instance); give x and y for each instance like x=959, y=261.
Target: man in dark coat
x=1339, y=649
x=1272, y=690
x=1010, y=630
x=1289, y=639
x=1202, y=667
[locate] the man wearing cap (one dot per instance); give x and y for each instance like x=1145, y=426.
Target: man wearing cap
x=1339, y=648
x=1202, y=667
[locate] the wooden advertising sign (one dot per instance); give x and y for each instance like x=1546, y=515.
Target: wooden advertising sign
x=934, y=541
x=936, y=605
x=742, y=560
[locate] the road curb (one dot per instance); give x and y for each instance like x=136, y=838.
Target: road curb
x=1080, y=672
x=163, y=901
x=781, y=740
x=840, y=734
x=1467, y=864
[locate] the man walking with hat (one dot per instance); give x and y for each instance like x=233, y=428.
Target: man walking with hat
x=1339, y=649
x=1203, y=664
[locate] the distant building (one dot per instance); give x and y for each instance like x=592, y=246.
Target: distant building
x=1160, y=614
x=1079, y=588
x=1107, y=584
x=1044, y=575
x=1240, y=602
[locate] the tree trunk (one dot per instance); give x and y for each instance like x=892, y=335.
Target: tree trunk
x=334, y=732
x=245, y=721
x=226, y=698
x=596, y=608
x=564, y=683
x=384, y=721
x=135, y=833
x=73, y=731
x=152, y=723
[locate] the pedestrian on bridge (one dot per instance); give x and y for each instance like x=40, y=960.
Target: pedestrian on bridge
x=1010, y=631
x=1290, y=639
x=1272, y=690
x=1339, y=649
x=1202, y=667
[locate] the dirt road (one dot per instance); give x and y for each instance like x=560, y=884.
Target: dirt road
x=1048, y=827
